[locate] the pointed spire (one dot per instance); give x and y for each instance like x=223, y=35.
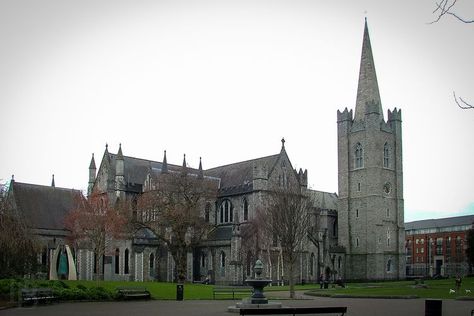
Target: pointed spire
x=185, y=167
x=164, y=168
x=184, y=160
x=282, y=143
x=368, y=90
x=120, y=154
x=106, y=147
x=200, y=172
x=92, y=164
x=52, y=182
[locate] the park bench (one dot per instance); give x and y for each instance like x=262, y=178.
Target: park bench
x=37, y=295
x=231, y=290
x=294, y=310
x=133, y=292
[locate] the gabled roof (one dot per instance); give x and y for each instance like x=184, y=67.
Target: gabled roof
x=240, y=173
x=440, y=222
x=324, y=200
x=43, y=207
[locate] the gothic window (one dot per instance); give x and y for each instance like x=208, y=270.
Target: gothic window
x=389, y=265
x=334, y=228
x=226, y=213
x=388, y=237
x=203, y=260
x=126, y=269
x=357, y=241
x=386, y=156
x=357, y=212
x=152, y=262
x=222, y=259
x=207, y=211
x=246, y=210
x=339, y=263
x=359, y=156
x=388, y=212
x=117, y=261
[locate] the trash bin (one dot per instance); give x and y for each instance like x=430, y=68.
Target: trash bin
x=433, y=307
x=179, y=292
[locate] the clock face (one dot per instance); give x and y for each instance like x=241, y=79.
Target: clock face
x=387, y=188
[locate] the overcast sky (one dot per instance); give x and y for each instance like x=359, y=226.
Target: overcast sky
x=226, y=80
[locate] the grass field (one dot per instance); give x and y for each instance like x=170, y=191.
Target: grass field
x=434, y=289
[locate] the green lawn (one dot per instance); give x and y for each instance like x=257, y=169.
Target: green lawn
x=434, y=289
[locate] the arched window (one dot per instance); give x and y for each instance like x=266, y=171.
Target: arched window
x=222, y=259
x=152, y=262
x=388, y=237
x=246, y=209
x=207, y=211
x=389, y=265
x=117, y=261
x=311, y=264
x=339, y=263
x=386, y=156
x=226, y=213
x=357, y=242
x=359, y=156
x=203, y=260
x=126, y=268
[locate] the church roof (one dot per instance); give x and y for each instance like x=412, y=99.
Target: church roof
x=324, y=200
x=466, y=220
x=44, y=207
x=240, y=173
x=368, y=96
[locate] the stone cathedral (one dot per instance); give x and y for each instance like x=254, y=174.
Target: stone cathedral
x=359, y=233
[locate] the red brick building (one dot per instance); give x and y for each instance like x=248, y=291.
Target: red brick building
x=437, y=246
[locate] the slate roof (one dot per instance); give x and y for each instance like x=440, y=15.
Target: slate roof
x=324, y=200
x=220, y=233
x=440, y=222
x=44, y=207
x=240, y=173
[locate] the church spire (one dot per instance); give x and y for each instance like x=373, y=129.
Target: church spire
x=52, y=182
x=200, y=172
x=164, y=168
x=368, y=96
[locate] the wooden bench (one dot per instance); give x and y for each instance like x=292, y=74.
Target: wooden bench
x=293, y=310
x=231, y=290
x=133, y=292
x=37, y=295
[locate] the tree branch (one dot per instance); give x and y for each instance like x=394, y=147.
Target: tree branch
x=445, y=8
x=461, y=103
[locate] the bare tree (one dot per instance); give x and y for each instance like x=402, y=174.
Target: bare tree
x=446, y=8
x=287, y=219
x=95, y=221
x=173, y=210
x=18, y=246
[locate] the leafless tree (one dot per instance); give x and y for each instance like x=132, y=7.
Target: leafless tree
x=287, y=218
x=18, y=246
x=447, y=8
x=173, y=210
x=94, y=221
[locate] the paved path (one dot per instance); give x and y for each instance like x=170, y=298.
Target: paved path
x=356, y=307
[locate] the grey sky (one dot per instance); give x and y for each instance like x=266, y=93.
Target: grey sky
x=226, y=80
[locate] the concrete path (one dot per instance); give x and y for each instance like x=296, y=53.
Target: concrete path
x=356, y=307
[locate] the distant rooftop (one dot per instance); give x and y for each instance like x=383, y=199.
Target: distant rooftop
x=439, y=223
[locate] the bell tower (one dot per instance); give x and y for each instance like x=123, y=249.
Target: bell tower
x=370, y=181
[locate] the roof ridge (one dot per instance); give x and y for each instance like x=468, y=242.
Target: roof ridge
x=45, y=186
x=148, y=160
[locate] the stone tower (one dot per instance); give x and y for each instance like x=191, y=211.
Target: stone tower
x=370, y=181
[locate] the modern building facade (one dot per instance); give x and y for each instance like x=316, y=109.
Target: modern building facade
x=437, y=247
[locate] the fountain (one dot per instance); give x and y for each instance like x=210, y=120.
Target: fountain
x=258, y=299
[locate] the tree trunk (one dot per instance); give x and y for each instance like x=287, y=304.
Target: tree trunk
x=291, y=279
x=180, y=259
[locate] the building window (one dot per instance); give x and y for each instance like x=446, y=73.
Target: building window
x=334, y=228
x=388, y=212
x=439, y=246
x=389, y=265
x=222, y=259
x=227, y=215
x=422, y=250
x=246, y=210
x=357, y=241
x=416, y=241
x=357, y=212
x=203, y=260
x=388, y=237
x=386, y=156
x=339, y=263
x=117, y=261
x=207, y=211
x=359, y=154
x=126, y=268
x=358, y=186
x=152, y=261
